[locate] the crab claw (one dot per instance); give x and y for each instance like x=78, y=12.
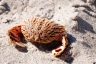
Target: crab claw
x=58, y=51
x=16, y=36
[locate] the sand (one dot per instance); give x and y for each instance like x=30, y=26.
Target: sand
x=82, y=31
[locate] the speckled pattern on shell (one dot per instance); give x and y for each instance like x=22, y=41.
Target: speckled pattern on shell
x=42, y=30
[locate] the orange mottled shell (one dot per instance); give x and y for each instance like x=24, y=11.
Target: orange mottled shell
x=42, y=30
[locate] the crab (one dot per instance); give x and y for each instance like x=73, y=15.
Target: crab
x=39, y=31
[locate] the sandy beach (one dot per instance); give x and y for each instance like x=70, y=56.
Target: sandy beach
x=82, y=31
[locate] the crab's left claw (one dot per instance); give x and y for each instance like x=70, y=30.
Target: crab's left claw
x=16, y=36
x=58, y=51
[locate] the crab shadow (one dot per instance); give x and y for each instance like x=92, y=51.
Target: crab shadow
x=84, y=26
x=21, y=49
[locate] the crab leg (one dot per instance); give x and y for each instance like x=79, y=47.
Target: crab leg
x=64, y=42
x=19, y=44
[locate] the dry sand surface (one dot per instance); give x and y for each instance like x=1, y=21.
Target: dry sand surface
x=82, y=38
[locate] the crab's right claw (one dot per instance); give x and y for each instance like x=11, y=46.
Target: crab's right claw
x=58, y=51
